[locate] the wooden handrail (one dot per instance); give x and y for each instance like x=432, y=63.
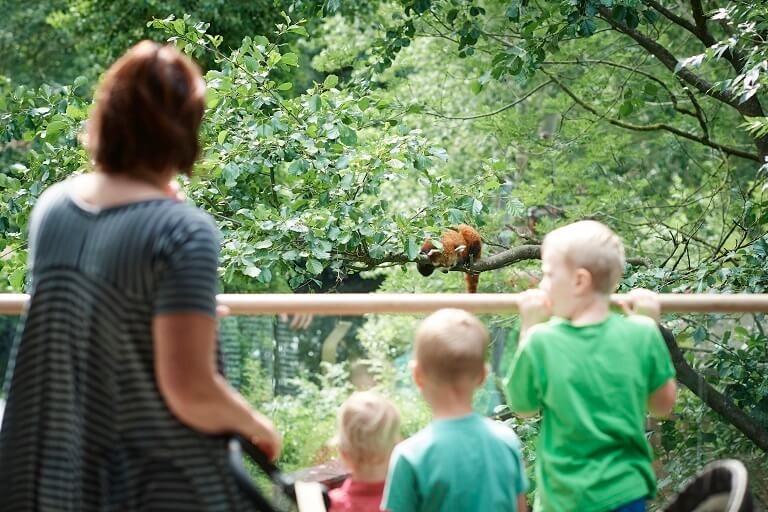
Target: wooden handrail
x=411, y=303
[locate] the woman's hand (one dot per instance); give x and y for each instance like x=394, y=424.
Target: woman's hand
x=266, y=437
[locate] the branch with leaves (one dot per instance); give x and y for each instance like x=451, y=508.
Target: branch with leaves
x=702, y=139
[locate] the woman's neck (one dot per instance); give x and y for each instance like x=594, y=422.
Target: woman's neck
x=103, y=190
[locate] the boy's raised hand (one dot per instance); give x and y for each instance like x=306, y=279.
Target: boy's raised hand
x=534, y=308
x=642, y=302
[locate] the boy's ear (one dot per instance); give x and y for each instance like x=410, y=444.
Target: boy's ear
x=483, y=375
x=418, y=377
x=582, y=280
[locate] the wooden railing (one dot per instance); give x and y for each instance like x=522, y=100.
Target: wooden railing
x=410, y=303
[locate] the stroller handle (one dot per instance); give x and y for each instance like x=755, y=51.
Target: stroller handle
x=238, y=445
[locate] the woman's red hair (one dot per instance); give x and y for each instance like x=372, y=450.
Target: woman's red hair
x=147, y=113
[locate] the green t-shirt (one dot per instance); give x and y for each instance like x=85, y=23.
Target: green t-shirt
x=456, y=465
x=592, y=384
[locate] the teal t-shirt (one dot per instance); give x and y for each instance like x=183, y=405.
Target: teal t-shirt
x=592, y=384
x=457, y=465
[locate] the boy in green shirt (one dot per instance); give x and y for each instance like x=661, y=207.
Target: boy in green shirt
x=592, y=373
x=461, y=462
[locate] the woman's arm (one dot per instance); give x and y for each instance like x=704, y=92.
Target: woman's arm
x=195, y=392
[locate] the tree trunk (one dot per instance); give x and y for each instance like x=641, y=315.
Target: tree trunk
x=719, y=403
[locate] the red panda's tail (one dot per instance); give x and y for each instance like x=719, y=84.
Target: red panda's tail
x=472, y=280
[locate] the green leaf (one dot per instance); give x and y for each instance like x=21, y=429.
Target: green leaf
x=17, y=279
x=231, y=172
x=347, y=135
x=252, y=271
x=251, y=64
x=632, y=20
x=265, y=276
x=290, y=59
x=298, y=167
x=476, y=87
x=298, y=29
x=222, y=136
x=376, y=251
x=314, y=267
x=412, y=249
x=342, y=162
x=650, y=16
x=54, y=128
x=650, y=89
x=455, y=216
x=285, y=86
x=273, y=58
x=626, y=108
x=330, y=81
x=587, y=27
x=264, y=244
x=259, y=41
x=314, y=103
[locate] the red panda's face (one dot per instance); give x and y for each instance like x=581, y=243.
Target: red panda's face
x=431, y=252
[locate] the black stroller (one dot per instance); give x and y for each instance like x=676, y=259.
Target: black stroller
x=721, y=486
x=286, y=484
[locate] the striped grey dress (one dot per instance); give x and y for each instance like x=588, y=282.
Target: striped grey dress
x=85, y=427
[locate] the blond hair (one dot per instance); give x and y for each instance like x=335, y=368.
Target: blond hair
x=451, y=345
x=593, y=246
x=368, y=427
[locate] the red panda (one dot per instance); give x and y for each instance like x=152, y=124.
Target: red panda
x=462, y=244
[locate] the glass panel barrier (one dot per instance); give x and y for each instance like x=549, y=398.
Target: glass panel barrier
x=298, y=369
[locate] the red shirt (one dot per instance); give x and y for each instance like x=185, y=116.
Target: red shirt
x=356, y=496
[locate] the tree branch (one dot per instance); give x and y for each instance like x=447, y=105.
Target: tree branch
x=515, y=255
x=649, y=76
x=670, y=62
x=677, y=20
x=699, y=29
x=655, y=127
x=719, y=403
x=497, y=111
x=699, y=112
x=701, y=23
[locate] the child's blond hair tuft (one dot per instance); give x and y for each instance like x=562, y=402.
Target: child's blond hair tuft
x=593, y=246
x=368, y=427
x=451, y=345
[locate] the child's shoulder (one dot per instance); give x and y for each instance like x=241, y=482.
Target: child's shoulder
x=503, y=433
x=553, y=326
x=416, y=446
x=636, y=324
x=544, y=332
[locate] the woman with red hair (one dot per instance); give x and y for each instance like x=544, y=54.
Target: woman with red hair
x=115, y=398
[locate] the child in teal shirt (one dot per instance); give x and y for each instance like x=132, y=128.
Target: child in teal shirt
x=461, y=462
x=593, y=374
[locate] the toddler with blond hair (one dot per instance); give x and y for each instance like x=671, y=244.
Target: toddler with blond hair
x=368, y=427
x=592, y=373
x=461, y=462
